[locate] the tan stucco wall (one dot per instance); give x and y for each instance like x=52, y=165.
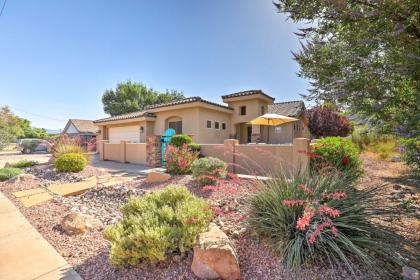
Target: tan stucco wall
x=211, y=135
x=189, y=118
x=262, y=159
x=112, y=152
x=136, y=153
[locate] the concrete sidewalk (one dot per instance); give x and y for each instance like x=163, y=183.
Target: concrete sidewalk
x=24, y=253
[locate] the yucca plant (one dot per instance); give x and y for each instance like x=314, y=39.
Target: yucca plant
x=312, y=219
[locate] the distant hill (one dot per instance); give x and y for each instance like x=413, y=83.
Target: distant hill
x=52, y=131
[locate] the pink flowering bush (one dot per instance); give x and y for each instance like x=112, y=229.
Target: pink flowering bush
x=324, y=219
x=179, y=160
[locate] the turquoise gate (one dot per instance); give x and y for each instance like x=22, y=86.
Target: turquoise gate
x=164, y=141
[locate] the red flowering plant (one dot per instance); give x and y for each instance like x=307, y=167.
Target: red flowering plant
x=324, y=219
x=336, y=153
x=179, y=160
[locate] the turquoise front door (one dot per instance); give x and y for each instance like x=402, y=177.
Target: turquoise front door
x=165, y=139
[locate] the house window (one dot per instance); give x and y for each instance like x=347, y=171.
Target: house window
x=262, y=110
x=177, y=126
x=224, y=126
x=216, y=125
x=243, y=110
x=208, y=124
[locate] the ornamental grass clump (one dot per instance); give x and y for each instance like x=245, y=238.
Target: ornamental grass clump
x=206, y=171
x=324, y=219
x=157, y=224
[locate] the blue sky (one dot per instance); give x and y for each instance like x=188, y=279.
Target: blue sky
x=58, y=57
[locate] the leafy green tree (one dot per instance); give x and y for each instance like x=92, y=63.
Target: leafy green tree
x=131, y=96
x=5, y=138
x=17, y=127
x=363, y=55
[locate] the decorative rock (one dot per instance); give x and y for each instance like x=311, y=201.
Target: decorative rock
x=410, y=273
x=7, y=165
x=214, y=256
x=157, y=177
x=22, y=178
x=75, y=223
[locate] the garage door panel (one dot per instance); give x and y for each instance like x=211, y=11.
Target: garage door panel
x=130, y=133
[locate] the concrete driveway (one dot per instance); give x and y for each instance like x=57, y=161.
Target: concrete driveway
x=118, y=167
x=12, y=158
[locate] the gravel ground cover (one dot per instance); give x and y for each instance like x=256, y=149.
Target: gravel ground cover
x=89, y=253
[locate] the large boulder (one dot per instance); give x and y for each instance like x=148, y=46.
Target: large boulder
x=214, y=256
x=22, y=178
x=157, y=177
x=76, y=223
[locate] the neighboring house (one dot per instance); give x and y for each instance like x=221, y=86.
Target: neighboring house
x=208, y=122
x=85, y=129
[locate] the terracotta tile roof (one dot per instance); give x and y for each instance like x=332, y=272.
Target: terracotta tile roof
x=84, y=126
x=131, y=115
x=247, y=92
x=289, y=108
x=187, y=100
x=145, y=112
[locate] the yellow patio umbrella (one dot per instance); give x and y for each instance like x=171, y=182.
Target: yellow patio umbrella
x=272, y=120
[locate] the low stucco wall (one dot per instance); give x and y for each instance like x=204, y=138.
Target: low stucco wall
x=112, y=151
x=261, y=159
x=135, y=153
x=264, y=159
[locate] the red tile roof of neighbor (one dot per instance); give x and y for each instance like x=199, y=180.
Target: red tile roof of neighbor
x=247, y=92
x=145, y=112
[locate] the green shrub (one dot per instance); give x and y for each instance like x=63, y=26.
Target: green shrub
x=337, y=153
x=196, y=148
x=72, y=162
x=24, y=163
x=180, y=139
x=8, y=173
x=157, y=224
x=207, y=170
x=179, y=160
x=324, y=219
x=411, y=153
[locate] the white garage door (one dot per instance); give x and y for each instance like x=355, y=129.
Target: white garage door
x=130, y=133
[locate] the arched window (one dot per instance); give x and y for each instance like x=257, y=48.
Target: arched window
x=174, y=123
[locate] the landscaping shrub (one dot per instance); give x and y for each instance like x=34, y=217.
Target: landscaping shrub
x=324, y=219
x=180, y=139
x=326, y=121
x=194, y=147
x=179, y=160
x=337, y=153
x=8, y=173
x=24, y=163
x=71, y=162
x=159, y=223
x=207, y=170
x=411, y=153
x=5, y=138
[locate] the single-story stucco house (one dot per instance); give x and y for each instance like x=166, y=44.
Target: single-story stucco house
x=85, y=129
x=209, y=122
